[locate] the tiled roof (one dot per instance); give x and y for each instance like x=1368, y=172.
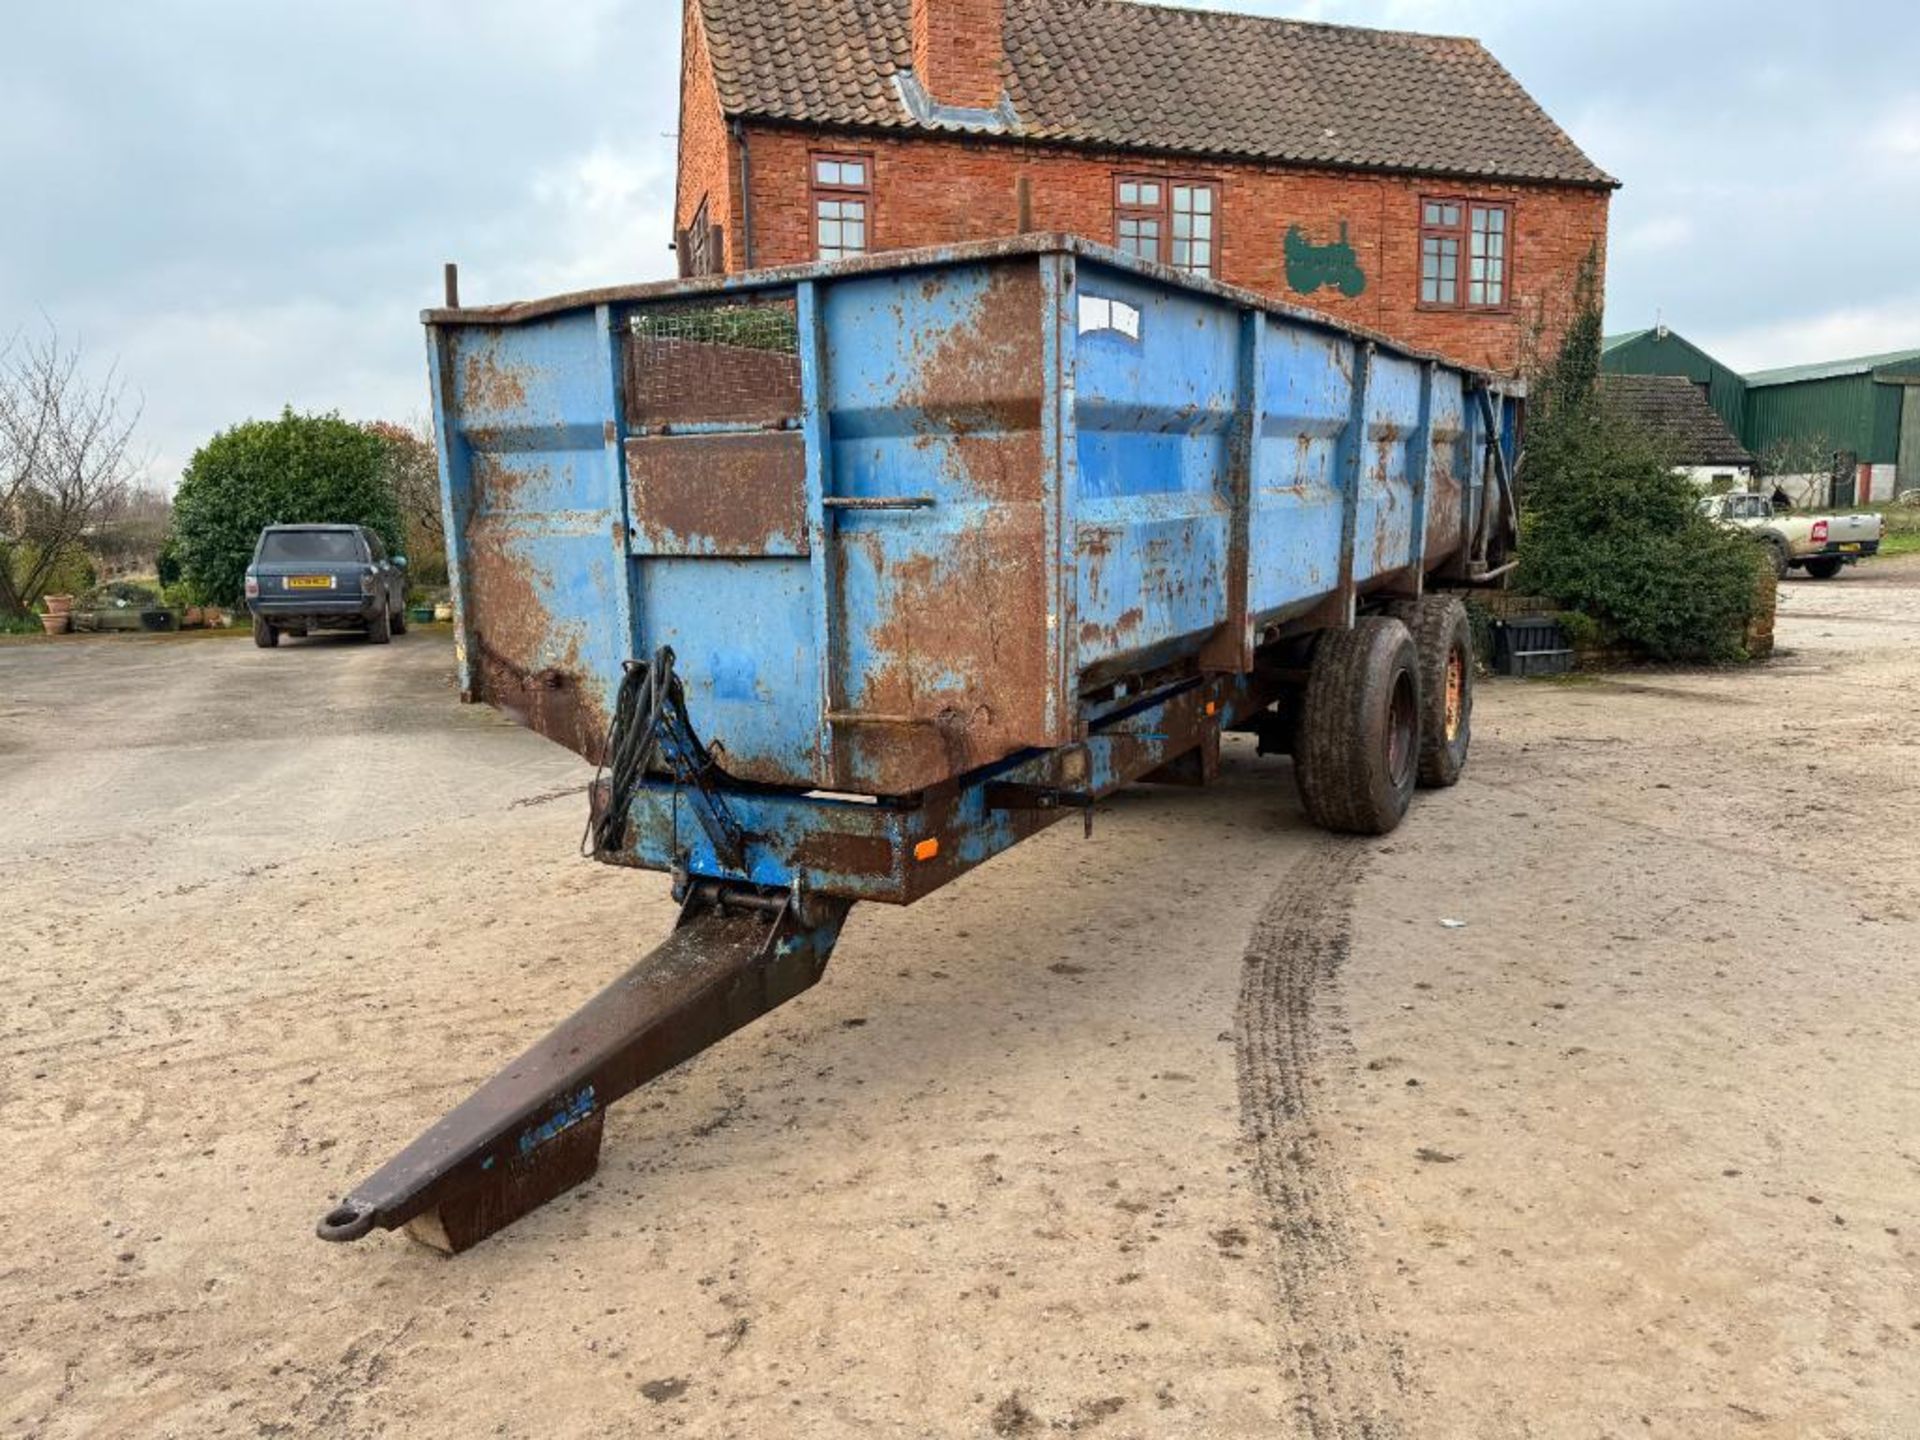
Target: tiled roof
x=1675, y=411
x=1135, y=76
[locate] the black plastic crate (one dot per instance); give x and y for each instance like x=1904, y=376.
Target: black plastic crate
x=1528, y=645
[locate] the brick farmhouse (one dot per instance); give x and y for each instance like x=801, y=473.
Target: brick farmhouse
x=1403, y=182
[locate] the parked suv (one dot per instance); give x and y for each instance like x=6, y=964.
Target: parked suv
x=325, y=577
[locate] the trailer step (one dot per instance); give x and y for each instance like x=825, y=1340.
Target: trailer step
x=533, y=1132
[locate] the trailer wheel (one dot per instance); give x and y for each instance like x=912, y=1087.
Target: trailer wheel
x=1444, y=638
x=1358, y=750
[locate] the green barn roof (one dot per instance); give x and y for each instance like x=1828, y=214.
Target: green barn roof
x=1836, y=369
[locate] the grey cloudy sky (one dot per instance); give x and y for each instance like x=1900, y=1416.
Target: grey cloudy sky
x=247, y=201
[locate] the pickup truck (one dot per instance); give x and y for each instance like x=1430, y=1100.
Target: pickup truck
x=1817, y=544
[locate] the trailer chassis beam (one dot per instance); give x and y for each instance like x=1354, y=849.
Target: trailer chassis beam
x=534, y=1130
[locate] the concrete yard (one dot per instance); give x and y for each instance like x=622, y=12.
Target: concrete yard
x=1206, y=1127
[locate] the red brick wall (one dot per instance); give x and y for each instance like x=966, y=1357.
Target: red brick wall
x=929, y=192
x=957, y=49
x=706, y=168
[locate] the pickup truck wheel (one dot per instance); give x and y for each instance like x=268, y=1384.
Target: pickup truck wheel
x=1443, y=636
x=1777, y=556
x=380, y=628
x=1357, y=753
x=1825, y=568
x=264, y=635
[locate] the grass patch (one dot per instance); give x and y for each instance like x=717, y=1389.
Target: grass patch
x=1903, y=529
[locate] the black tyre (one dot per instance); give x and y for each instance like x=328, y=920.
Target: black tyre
x=1825, y=568
x=1357, y=752
x=264, y=635
x=380, y=628
x=1443, y=636
x=400, y=621
x=1777, y=556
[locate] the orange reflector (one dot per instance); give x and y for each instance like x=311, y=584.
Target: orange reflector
x=1212, y=708
x=926, y=850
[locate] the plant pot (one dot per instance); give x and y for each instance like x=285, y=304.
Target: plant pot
x=58, y=604
x=56, y=623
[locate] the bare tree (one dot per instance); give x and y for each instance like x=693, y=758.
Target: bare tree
x=131, y=530
x=65, y=456
x=1794, y=464
x=413, y=470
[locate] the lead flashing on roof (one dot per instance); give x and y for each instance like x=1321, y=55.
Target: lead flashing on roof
x=1000, y=120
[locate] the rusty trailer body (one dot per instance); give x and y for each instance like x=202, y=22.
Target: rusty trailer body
x=896, y=561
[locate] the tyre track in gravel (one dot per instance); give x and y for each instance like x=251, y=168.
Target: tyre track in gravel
x=1349, y=1380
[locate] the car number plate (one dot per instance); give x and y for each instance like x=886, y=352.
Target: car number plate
x=1850, y=548
x=309, y=582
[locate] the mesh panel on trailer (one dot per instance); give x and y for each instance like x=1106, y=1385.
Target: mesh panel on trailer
x=718, y=362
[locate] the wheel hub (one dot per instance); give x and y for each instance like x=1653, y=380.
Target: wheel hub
x=1403, y=726
x=1456, y=694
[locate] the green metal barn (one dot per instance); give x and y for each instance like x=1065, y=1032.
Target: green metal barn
x=1866, y=408
x=1847, y=431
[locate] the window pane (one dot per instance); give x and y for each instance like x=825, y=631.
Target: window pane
x=1129, y=193
x=1439, y=270
x=1140, y=237
x=840, y=228
x=853, y=173
x=1195, y=198
x=1488, y=248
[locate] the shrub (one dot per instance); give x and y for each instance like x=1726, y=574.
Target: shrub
x=1608, y=529
x=70, y=573
x=166, y=566
x=1612, y=532
x=297, y=470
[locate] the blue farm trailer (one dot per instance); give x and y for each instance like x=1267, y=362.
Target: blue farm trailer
x=851, y=577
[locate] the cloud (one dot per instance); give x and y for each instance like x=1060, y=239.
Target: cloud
x=1657, y=233
x=1807, y=338
x=1896, y=135
x=248, y=203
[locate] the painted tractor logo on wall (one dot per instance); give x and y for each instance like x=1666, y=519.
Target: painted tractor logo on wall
x=1312, y=267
